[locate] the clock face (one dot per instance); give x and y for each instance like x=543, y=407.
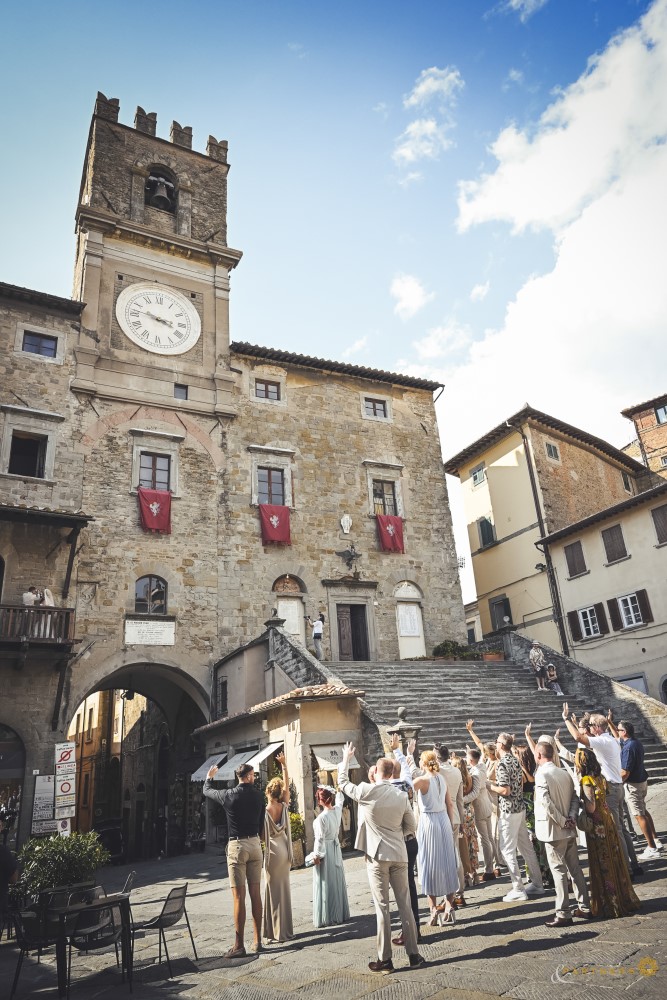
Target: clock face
x=157, y=318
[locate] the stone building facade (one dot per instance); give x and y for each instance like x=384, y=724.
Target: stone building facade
x=93, y=406
x=650, y=424
x=528, y=477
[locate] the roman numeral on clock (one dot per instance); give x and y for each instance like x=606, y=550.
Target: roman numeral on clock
x=159, y=299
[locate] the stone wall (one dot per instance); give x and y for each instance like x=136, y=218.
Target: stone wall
x=598, y=690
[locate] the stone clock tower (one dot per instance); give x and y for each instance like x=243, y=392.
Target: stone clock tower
x=152, y=267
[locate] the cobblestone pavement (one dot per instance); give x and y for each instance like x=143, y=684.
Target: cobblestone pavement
x=495, y=949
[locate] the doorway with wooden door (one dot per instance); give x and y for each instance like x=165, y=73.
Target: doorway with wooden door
x=352, y=632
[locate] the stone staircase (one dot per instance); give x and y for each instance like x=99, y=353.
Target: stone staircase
x=440, y=697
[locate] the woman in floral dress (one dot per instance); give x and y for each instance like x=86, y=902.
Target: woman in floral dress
x=611, y=890
x=469, y=844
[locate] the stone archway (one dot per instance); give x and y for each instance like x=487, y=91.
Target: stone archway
x=12, y=775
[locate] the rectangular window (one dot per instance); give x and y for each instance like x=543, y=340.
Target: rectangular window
x=40, y=343
x=89, y=727
x=630, y=611
x=478, y=474
x=154, y=471
x=376, y=408
x=471, y=633
x=267, y=390
x=659, y=515
x=552, y=451
x=500, y=610
x=661, y=413
x=663, y=461
x=614, y=543
x=27, y=455
x=271, y=486
x=589, y=622
x=627, y=482
x=384, y=497
x=222, y=697
x=86, y=789
x=77, y=738
x=574, y=555
x=487, y=532
x=180, y=391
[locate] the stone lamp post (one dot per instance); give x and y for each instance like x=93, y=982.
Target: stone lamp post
x=406, y=731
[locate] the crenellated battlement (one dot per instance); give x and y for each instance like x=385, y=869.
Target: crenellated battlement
x=146, y=122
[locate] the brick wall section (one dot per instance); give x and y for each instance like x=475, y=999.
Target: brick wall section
x=582, y=483
x=653, y=438
x=598, y=691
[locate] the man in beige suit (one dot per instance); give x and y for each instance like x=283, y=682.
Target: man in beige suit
x=556, y=807
x=385, y=819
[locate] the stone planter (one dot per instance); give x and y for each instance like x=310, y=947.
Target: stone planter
x=299, y=854
x=492, y=657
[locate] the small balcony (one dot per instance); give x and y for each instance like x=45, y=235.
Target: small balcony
x=39, y=626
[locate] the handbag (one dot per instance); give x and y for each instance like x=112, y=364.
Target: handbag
x=585, y=822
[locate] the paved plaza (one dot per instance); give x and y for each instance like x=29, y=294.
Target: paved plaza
x=495, y=949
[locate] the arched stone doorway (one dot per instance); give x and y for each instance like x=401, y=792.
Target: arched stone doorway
x=135, y=756
x=12, y=774
x=289, y=591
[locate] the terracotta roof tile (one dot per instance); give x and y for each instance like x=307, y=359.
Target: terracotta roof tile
x=311, y=693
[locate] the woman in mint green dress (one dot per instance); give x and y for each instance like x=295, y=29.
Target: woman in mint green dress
x=330, y=905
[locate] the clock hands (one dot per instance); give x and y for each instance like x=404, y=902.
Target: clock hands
x=159, y=319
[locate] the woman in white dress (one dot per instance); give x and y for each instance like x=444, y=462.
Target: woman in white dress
x=330, y=905
x=436, y=858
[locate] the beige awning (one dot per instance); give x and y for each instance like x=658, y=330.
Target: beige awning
x=330, y=756
x=226, y=773
x=201, y=772
x=263, y=754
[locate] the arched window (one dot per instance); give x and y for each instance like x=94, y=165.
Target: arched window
x=150, y=595
x=161, y=189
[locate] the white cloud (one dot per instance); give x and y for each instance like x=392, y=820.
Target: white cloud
x=587, y=338
x=410, y=178
x=525, y=8
x=586, y=138
x=424, y=138
x=515, y=76
x=434, y=83
x=381, y=109
x=480, y=292
x=297, y=49
x=443, y=341
x=410, y=295
x=355, y=348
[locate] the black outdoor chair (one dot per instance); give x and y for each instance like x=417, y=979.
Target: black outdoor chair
x=95, y=931
x=32, y=934
x=172, y=911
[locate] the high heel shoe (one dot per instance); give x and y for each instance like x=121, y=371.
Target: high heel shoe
x=449, y=917
x=435, y=916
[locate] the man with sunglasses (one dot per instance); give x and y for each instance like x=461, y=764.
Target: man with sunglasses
x=635, y=784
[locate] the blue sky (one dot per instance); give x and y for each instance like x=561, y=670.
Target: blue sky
x=465, y=190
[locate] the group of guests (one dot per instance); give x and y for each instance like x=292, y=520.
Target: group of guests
x=430, y=818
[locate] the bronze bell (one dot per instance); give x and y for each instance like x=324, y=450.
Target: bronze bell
x=160, y=197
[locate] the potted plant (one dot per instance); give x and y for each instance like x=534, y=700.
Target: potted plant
x=492, y=654
x=450, y=650
x=298, y=831
x=47, y=863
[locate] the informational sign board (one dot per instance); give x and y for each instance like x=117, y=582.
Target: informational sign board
x=65, y=784
x=43, y=827
x=149, y=633
x=64, y=827
x=409, y=620
x=42, y=809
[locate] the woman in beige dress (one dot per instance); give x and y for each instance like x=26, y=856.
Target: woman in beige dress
x=277, y=859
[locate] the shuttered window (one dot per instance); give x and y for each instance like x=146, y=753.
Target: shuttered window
x=614, y=543
x=487, y=533
x=630, y=610
x=586, y=623
x=659, y=515
x=574, y=554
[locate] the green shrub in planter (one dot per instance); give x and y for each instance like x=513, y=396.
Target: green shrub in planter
x=450, y=647
x=59, y=861
x=297, y=827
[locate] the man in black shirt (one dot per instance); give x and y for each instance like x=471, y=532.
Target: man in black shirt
x=244, y=810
